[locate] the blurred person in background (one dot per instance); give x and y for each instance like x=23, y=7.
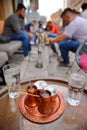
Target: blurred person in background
x=53, y=31
x=14, y=27
x=74, y=34
x=30, y=27
x=84, y=10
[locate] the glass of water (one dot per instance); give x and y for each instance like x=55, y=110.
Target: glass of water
x=12, y=78
x=76, y=83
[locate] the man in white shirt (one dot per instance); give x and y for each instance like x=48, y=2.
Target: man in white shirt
x=75, y=32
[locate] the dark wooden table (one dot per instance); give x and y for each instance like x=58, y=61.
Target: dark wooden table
x=73, y=118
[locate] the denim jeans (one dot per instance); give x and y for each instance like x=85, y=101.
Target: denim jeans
x=25, y=42
x=53, y=35
x=66, y=46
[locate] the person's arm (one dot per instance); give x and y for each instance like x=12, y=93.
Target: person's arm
x=69, y=31
x=58, y=39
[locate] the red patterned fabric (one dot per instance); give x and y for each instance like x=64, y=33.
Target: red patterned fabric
x=83, y=62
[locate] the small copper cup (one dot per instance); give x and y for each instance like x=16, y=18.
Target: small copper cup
x=45, y=106
x=31, y=97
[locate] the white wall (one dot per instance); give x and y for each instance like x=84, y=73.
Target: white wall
x=48, y=7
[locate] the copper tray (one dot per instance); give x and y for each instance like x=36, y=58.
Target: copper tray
x=32, y=113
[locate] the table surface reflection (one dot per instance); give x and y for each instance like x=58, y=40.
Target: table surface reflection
x=73, y=118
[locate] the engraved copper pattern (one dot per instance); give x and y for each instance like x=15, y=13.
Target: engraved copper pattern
x=32, y=113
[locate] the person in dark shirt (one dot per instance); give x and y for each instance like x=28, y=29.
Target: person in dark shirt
x=30, y=28
x=15, y=29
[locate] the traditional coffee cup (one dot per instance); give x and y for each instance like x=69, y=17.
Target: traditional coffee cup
x=45, y=106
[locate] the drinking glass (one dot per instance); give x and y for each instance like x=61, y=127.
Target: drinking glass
x=12, y=78
x=76, y=83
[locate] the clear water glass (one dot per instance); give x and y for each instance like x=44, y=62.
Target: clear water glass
x=12, y=78
x=76, y=83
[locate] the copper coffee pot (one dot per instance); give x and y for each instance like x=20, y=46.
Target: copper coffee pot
x=31, y=97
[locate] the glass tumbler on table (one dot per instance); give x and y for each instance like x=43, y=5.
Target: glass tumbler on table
x=76, y=83
x=12, y=78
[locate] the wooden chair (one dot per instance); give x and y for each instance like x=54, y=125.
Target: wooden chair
x=1, y=26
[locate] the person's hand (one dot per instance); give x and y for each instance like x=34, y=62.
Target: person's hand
x=51, y=40
x=31, y=35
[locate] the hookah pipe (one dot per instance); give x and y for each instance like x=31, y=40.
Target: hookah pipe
x=39, y=63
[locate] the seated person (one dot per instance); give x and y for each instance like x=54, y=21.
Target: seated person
x=72, y=36
x=30, y=28
x=84, y=10
x=52, y=31
x=14, y=28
